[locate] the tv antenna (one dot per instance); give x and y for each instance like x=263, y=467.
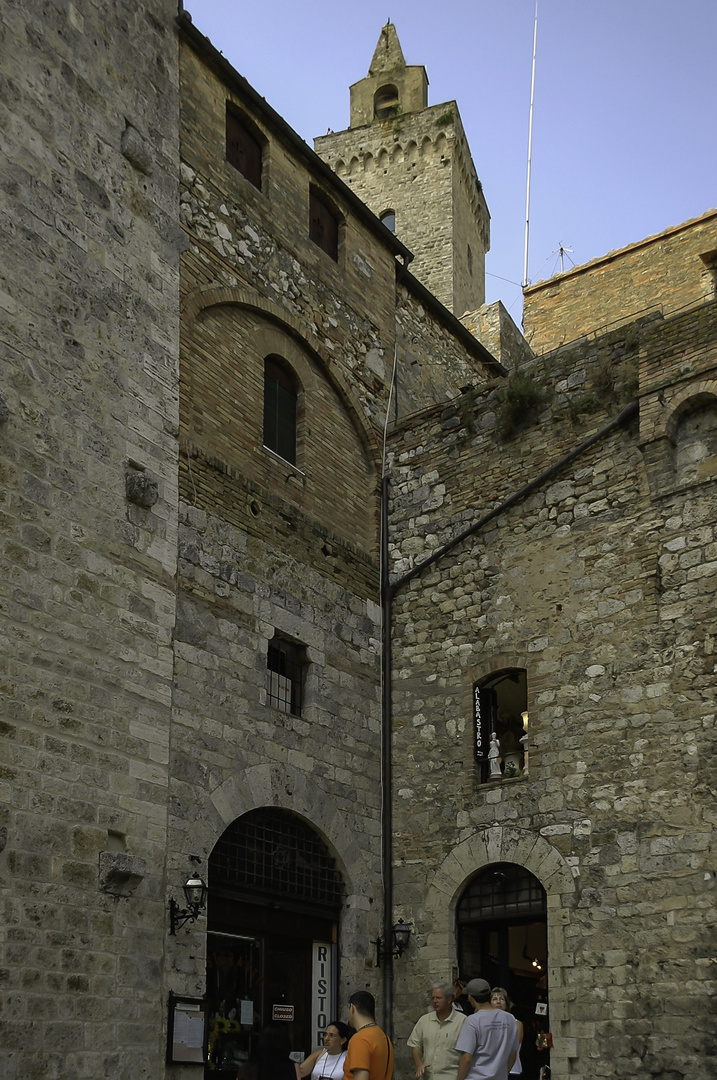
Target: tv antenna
x=562, y=252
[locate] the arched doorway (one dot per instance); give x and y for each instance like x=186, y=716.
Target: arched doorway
x=501, y=924
x=272, y=926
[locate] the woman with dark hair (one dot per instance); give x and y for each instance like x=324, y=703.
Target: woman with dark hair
x=271, y=1059
x=327, y=1063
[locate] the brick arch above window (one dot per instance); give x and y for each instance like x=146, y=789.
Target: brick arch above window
x=332, y=481
x=281, y=327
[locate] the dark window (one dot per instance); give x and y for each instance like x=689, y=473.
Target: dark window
x=279, y=411
x=385, y=102
x=388, y=217
x=285, y=673
x=500, y=705
x=323, y=226
x=244, y=151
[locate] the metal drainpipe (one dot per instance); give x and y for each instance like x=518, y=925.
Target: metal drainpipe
x=388, y=591
x=386, y=788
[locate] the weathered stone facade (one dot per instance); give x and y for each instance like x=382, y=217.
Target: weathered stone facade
x=154, y=549
x=89, y=295
x=599, y=582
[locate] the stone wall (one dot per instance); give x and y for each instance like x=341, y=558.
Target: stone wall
x=89, y=297
x=666, y=273
x=599, y=582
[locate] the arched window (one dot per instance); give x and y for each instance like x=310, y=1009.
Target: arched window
x=500, y=708
x=280, y=400
x=385, y=102
x=270, y=855
x=388, y=217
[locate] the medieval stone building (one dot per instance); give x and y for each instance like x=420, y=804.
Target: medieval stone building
x=305, y=597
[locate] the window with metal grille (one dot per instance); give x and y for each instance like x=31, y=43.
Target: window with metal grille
x=280, y=407
x=285, y=673
x=501, y=891
x=272, y=853
x=244, y=150
x=323, y=226
x=500, y=706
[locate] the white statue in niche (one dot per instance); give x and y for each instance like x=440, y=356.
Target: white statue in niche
x=494, y=758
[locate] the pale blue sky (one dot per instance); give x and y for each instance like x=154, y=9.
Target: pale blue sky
x=624, y=130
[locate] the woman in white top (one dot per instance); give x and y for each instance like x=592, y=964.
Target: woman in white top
x=500, y=1000
x=328, y=1063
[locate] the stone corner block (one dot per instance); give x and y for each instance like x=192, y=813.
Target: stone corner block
x=120, y=874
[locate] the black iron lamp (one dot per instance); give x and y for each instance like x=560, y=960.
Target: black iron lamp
x=195, y=894
x=400, y=935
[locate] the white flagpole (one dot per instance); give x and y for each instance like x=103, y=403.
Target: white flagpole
x=530, y=150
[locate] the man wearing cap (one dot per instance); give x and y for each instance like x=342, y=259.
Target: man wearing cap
x=488, y=1041
x=433, y=1039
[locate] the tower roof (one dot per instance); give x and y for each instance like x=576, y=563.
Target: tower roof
x=391, y=85
x=388, y=53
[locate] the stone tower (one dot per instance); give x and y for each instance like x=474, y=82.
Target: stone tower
x=412, y=165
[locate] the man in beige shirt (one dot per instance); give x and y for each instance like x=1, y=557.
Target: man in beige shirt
x=433, y=1039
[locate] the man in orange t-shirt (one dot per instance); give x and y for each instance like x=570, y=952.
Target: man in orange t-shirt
x=369, y=1055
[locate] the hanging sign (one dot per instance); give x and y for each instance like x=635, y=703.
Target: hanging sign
x=282, y=1012
x=323, y=992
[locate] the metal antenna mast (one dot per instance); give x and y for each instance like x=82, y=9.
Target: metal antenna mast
x=530, y=150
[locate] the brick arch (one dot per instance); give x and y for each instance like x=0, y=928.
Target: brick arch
x=689, y=397
x=270, y=784
x=483, y=666
x=215, y=295
x=493, y=844
x=696, y=393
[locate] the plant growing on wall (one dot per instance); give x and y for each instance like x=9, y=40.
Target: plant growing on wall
x=519, y=402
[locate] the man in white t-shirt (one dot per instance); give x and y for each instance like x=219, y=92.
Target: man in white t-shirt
x=488, y=1041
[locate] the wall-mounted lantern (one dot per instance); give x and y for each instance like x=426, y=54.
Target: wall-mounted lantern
x=400, y=937
x=195, y=894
